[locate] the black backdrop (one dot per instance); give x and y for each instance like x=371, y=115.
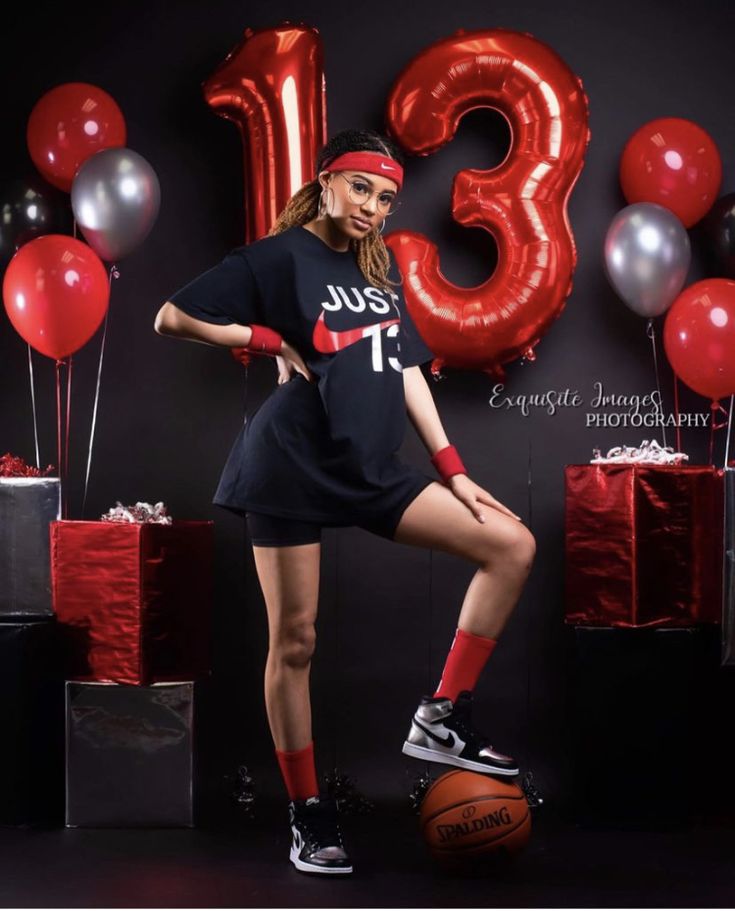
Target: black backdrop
x=170, y=410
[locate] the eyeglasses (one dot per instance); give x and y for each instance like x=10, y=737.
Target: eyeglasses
x=359, y=193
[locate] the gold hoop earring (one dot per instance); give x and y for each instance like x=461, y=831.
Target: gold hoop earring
x=382, y=227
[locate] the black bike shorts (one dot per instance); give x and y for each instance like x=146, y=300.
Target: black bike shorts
x=273, y=531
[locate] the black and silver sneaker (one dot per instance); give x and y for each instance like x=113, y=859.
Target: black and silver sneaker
x=317, y=840
x=442, y=732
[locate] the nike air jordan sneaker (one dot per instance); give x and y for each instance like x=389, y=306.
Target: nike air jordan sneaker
x=317, y=840
x=442, y=731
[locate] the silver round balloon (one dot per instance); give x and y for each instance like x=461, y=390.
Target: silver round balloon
x=115, y=197
x=647, y=257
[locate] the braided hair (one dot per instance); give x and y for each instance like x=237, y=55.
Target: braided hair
x=371, y=252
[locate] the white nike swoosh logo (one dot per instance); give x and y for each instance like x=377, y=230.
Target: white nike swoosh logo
x=386, y=167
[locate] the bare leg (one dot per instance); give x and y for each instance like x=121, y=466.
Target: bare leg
x=502, y=547
x=289, y=579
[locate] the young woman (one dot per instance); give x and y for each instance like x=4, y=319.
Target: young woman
x=321, y=293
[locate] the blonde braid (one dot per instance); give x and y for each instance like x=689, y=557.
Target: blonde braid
x=371, y=252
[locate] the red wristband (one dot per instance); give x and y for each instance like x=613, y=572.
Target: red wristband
x=264, y=340
x=448, y=463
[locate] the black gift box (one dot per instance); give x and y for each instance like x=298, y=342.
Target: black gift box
x=129, y=754
x=32, y=724
x=27, y=506
x=642, y=747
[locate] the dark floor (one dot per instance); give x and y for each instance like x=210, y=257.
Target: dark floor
x=245, y=864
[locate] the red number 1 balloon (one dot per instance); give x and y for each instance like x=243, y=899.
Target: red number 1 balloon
x=522, y=202
x=272, y=86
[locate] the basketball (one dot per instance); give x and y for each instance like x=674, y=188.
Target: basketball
x=466, y=815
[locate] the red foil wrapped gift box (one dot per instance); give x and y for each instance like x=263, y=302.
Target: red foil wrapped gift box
x=134, y=598
x=643, y=545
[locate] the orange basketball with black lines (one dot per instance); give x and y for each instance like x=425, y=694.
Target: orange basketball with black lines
x=465, y=814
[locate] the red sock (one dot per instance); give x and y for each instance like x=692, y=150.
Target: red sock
x=466, y=659
x=299, y=772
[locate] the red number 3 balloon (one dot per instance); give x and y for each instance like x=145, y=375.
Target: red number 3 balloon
x=522, y=202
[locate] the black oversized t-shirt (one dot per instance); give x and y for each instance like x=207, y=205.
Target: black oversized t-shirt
x=323, y=451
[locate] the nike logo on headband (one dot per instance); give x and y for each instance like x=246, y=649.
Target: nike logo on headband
x=329, y=341
x=386, y=167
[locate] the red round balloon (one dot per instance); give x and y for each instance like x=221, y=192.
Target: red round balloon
x=675, y=163
x=522, y=202
x=56, y=292
x=699, y=337
x=69, y=124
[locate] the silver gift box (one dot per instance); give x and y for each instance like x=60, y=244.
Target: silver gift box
x=27, y=506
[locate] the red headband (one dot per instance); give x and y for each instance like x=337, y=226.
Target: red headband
x=372, y=162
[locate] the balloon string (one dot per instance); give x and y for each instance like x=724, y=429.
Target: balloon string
x=715, y=406
x=676, y=413
x=729, y=430
x=529, y=663
x=651, y=333
x=58, y=437
x=114, y=273
x=68, y=419
x=59, y=451
x=33, y=406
